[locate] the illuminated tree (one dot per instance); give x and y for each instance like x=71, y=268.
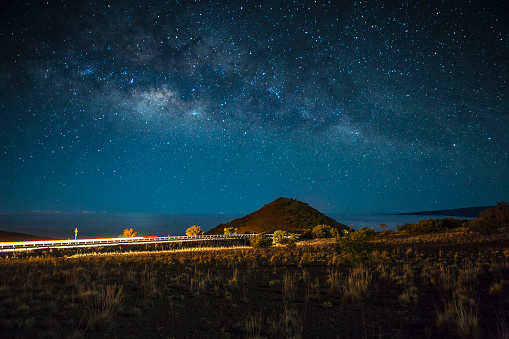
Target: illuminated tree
x=279, y=237
x=194, y=230
x=230, y=230
x=129, y=233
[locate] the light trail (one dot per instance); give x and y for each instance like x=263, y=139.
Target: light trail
x=42, y=244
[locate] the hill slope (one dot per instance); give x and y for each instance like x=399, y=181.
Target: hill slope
x=467, y=212
x=281, y=214
x=15, y=236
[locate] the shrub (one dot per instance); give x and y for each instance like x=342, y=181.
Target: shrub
x=363, y=234
x=291, y=242
x=355, y=247
x=499, y=213
x=482, y=226
x=307, y=234
x=356, y=242
x=230, y=230
x=406, y=228
x=194, y=230
x=424, y=226
x=324, y=231
x=431, y=225
x=453, y=222
x=260, y=241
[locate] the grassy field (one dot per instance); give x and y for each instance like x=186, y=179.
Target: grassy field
x=453, y=285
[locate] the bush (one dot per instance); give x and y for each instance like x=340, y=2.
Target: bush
x=260, y=241
x=431, y=225
x=453, y=223
x=489, y=220
x=194, y=230
x=324, y=231
x=406, y=228
x=230, y=230
x=356, y=242
x=483, y=225
x=364, y=234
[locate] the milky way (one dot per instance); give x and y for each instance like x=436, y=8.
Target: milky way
x=221, y=107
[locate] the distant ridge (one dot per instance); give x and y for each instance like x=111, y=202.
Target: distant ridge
x=15, y=236
x=467, y=212
x=282, y=214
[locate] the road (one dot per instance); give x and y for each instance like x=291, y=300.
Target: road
x=42, y=244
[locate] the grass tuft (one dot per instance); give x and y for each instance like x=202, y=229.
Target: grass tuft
x=100, y=308
x=356, y=284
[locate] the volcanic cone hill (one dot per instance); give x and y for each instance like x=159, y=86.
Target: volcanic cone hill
x=281, y=214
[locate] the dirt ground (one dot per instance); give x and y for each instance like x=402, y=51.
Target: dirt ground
x=223, y=310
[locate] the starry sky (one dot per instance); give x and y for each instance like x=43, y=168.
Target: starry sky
x=223, y=106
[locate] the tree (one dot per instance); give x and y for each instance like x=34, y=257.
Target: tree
x=384, y=227
x=194, y=230
x=129, y=233
x=230, y=230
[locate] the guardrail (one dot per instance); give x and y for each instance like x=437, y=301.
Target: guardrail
x=42, y=244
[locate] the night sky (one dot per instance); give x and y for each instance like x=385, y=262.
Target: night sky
x=223, y=106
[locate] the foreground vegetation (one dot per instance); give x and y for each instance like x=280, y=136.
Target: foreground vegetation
x=453, y=284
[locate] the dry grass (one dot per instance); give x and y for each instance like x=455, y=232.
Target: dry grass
x=288, y=325
x=253, y=326
x=313, y=290
x=289, y=286
x=234, y=281
x=409, y=297
x=334, y=280
x=498, y=288
x=356, y=284
x=461, y=315
x=100, y=307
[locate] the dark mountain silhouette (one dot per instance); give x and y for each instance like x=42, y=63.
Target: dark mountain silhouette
x=15, y=236
x=281, y=214
x=467, y=212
